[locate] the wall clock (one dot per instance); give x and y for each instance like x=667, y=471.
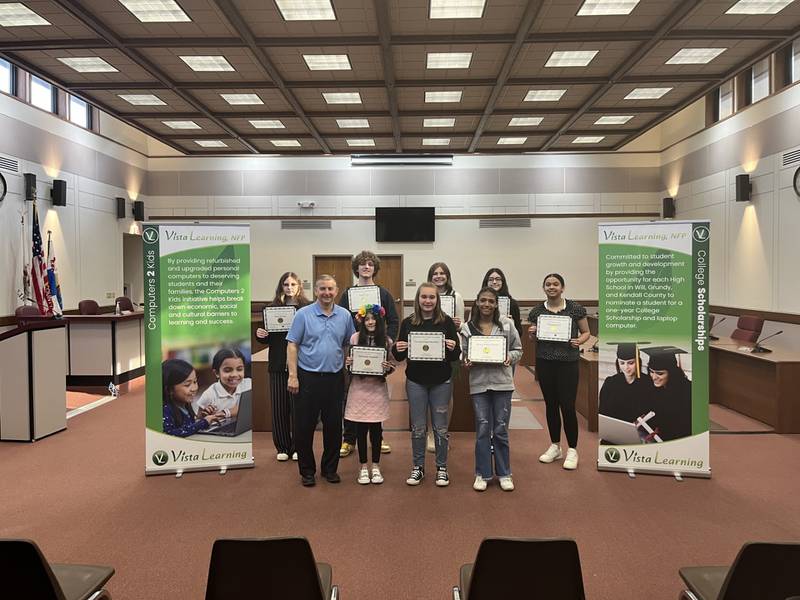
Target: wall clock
x=796, y=182
x=4, y=186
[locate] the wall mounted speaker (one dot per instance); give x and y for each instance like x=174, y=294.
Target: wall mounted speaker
x=743, y=188
x=138, y=210
x=668, y=208
x=59, y=192
x=30, y=186
x=121, y=208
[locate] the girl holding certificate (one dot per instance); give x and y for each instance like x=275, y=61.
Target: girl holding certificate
x=429, y=340
x=557, y=354
x=496, y=279
x=289, y=292
x=491, y=383
x=368, y=397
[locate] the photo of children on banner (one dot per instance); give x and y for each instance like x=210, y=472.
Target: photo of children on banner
x=637, y=407
x=179, y=389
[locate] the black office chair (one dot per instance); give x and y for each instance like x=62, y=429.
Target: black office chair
x=125, y=303
x=517, y=568
x=276, y=568
x=761, y=570
x=28, y=575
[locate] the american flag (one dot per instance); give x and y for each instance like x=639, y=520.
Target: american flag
x=52, y=278
x=39, y=283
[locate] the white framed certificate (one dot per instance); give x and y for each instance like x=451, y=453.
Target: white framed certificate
x=504, y=306
x=367, y=360
x=278, y=318
x=359, y=295
x=554, y=328
x=487, y=349
x=425, y=345
x=448, y=304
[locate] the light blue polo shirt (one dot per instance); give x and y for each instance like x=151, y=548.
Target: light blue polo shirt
x=320, y=337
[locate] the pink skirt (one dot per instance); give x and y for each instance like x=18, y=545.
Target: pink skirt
x=367, y=399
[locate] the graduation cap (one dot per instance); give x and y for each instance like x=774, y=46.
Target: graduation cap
x=663, y=358
x=629, y=351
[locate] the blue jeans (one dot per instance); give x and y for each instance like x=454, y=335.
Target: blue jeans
x=420, y=398
x=492, y=414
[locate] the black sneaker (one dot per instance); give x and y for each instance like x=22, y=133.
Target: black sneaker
x=441, y=477
x=417, y=474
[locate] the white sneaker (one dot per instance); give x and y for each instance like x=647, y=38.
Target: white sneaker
x=430, y=445
x=507, y=484
x=571, y=460
x=480, y=484
x=282, y=456
x=294, y=455
x=551, y=454
x=363, y=475
x=376, y=474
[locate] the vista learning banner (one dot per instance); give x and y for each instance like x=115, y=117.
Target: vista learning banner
x=653, y=347
x=197, y=347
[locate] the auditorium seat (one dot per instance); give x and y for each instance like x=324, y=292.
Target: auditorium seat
x=271, y=568
x=767, y=571
x=522, y=568
x=28, y=575
x=88, y=307
x=748, y=328
x=124, y=303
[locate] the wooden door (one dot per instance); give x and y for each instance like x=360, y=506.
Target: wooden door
x=391, y=277
x=338, y=266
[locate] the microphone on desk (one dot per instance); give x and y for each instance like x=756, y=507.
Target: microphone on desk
x=714, y=338
x=759, y=349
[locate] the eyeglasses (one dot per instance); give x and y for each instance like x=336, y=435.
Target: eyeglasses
x=500, y=279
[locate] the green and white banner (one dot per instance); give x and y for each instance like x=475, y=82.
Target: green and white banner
x=197, y=347
x=653, y=347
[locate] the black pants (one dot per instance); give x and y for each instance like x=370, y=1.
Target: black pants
x=559, y=382
x=319, y=393
x=282, y=408
x=375, y=435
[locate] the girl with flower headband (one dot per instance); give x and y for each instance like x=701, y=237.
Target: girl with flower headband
x=368, y=396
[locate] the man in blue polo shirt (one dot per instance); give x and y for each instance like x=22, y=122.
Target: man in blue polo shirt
x=315, y=359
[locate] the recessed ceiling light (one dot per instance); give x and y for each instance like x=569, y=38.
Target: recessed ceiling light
x=16, y=14
x=211, y=143
x=456, y=9
x=306, y=10
x=449, y=60
x=588, y=139
x=267, y=124
x=597, y=8
x=695, y=56
x=647, y=93
x=327, y=62
x=435, y=141
x=156, y=11
x=613, y=120
x=511, y=140
x=570, y=58
x=352, y=123
x=443, y=96
x=242, y=99
x=88, y=64
x=524, y=121
x=285, y=143
x=207, y=63
x=142, y=99
x=443, y=122
x=361, y=142
x=342, y=97
x=544, y=95
x=181, y=124
x=758, y=7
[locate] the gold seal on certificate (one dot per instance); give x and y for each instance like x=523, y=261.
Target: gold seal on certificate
x=504, y=306
x=361, y=295
x=278, y=318
x=448, y=304
x=487, y=349
x=425, y=345
x=367, y=360
x=554, y=328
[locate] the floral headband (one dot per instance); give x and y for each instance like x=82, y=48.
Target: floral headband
x=375, y=309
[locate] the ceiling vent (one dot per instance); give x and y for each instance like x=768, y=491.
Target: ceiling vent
x=305, y=224
x=401, y=160
x=503, y=222
x=9, y=164
x=791, y=158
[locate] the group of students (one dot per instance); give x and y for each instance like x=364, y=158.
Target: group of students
x=305, y=369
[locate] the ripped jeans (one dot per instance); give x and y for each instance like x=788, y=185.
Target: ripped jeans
x=492, y=414
x=420, y=398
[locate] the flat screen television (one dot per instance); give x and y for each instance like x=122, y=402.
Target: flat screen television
x=415, y=224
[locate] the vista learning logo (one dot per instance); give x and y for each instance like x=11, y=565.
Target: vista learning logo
x=150, y=235
x=612, y=455
x=160, y=458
